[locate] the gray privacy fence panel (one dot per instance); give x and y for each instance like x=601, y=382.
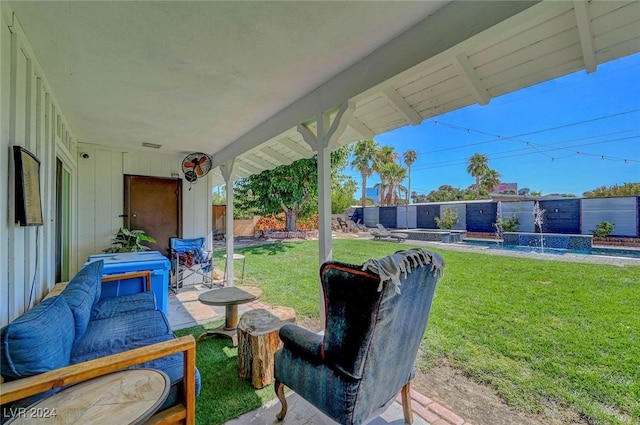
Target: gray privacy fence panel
x=523, y=211
x=388, y=217
x=462, y=214
x=357, y=215
x=561, y=216
x=402, y=220
x=425, y=216
x=622, y=212
x=481, y=216
x=371, y=216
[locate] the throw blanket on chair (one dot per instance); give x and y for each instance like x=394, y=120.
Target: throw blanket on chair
x=392, y=267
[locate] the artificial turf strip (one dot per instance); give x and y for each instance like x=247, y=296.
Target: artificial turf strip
x=223, y=395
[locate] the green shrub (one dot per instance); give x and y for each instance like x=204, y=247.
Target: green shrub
x=509, y=224
x=450, y=218
x=603, y=229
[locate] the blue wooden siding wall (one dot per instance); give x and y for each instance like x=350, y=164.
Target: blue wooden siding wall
x=357, y=215
x=426, y=216
x=481, y=216
x=389, y=217
x=561, y=216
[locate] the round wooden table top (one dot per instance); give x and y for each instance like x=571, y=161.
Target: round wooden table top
x=126, y=397
x=230, y=296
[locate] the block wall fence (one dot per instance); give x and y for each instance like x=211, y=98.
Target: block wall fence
x=565, y=215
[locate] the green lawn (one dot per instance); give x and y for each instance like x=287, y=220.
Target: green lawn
x=537, y=331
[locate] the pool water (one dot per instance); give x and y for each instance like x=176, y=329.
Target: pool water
x=611, y=252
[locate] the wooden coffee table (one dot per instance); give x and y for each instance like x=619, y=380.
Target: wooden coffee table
x=127, y=397
x=230, y=298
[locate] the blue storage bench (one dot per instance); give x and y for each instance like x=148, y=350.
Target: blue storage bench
x=153, y=261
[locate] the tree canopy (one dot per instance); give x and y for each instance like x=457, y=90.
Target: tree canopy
x=626, y=189
x=292, y=189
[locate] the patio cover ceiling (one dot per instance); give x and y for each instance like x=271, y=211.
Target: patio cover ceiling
x=233, y=79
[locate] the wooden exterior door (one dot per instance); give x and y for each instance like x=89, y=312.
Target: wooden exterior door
x=154, y=204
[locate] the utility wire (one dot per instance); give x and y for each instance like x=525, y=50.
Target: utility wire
x=531, y=145
x=573, y=152
x=499, y=138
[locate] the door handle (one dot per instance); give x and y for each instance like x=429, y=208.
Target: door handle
x=123, y=215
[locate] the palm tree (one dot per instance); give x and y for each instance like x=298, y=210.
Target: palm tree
x=478, y=165
x=385, y=155
x=409, y=157
x=490, y=179
x=393, y=175
x=364, y=153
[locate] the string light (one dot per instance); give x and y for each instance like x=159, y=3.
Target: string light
x=535, y=146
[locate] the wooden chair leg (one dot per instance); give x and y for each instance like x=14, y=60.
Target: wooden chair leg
x=406, y=403
x=279, y=387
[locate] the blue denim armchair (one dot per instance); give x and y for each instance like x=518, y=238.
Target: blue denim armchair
x=376, y=317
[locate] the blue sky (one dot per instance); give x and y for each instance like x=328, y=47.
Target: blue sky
x=568, y=135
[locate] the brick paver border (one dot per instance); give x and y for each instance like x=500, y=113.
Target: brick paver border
x=432, y=411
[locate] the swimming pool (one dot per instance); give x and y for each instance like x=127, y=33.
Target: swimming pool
x=598, y=250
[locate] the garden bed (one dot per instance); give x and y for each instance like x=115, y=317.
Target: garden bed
x=282, y=234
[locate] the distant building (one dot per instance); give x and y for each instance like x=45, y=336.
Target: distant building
x=503, y=187
x=374, y=193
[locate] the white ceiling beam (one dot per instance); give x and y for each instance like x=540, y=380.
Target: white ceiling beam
x=468, y=73
x=275, y=155
x=290, y=144
x=361, y=129
x=586, y=38
x=428, y=38
x=248, y=167
x=402, y=105
x=261, y=162
x=241, y=173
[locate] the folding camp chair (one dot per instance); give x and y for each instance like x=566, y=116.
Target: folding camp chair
x=189, y=257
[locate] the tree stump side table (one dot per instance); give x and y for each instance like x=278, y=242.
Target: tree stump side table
x=258, y=341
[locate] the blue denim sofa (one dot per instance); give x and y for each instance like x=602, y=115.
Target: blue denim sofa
x=77, y=335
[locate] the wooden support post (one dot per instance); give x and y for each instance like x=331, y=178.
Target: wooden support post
x=258, y=341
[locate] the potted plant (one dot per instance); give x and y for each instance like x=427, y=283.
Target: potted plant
x=126, y=240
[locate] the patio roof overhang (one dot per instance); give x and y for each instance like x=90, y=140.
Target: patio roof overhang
x=234, y=79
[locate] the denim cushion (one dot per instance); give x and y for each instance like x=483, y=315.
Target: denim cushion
x=172, y=365
x=80, y=294
x=332, y=392
x=123, y=304
x=118, y=333
x=351, y=310
x=38, y=341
